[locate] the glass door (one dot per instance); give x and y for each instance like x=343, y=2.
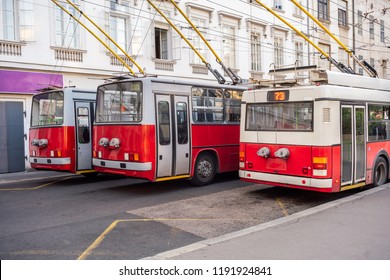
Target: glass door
x=353, y=144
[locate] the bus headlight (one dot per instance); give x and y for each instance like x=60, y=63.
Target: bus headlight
x=103, y=142
x=35, y=142
x=263, y=152
x=114, y=143
x=43, y=143
x=283, y=153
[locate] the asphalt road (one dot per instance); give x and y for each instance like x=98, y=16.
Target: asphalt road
x=106, y=217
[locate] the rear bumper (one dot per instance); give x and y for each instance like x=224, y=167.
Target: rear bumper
x=285, y=180
x=50, y=161
x=125, y=165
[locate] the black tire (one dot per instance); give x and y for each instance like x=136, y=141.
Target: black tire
x=205, y=169
x=380, y=172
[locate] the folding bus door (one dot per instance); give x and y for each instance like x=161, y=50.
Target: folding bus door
x=84, y=113
x=173, y=141
x=353, y=144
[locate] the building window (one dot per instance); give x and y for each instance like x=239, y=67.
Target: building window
x=382, y=34
x=118, y=21
x=27, y=20
x=299, y=53
x=278, y=4
x=343, y=20
x=67, y=29
x=297, y=11
x=372, y=62
x=120, y=6
x=255, y=51
x=197, y=42
x=8, y=20
x=360, y=22
x=118, y=32
x=161, y=43
x=371, y=18
x=360, y=57
x=278, y=51
x=323, y=9
x=343, y=57
x=229, y=45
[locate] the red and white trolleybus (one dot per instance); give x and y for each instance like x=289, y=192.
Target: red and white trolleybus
x=160, y=129
x=61, y=130
x=328, y=136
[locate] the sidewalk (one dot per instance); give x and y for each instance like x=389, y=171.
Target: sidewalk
x=352, y=228
x=29, y=175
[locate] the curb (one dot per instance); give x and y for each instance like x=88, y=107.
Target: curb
x=275, y=223
x=30, y=176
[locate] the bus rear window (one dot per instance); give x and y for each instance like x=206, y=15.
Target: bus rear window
x=48, y=109
x=119, y=102
x=291, y=116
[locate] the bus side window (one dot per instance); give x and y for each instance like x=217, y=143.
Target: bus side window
x=164, y=123
x=83, y=125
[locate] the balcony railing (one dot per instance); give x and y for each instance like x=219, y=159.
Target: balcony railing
x=71, y=55
x=199, y=69
x=116, y=62
x=162, y=64
x=11, y=48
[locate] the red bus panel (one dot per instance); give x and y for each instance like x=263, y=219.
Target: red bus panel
x=137, y=145
x=221, y=139
x=60, y=148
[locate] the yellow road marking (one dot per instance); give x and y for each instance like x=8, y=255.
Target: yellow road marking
x=36, y=188
x=101, y=237
x=284, y=210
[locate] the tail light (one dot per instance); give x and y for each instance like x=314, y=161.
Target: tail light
x=131, y=156
x=242, y=160
x=320, y=166
x=56, y=153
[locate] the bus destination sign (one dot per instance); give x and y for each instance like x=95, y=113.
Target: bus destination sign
x=278, y=95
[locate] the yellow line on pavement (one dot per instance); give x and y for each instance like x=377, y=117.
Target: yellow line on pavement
x=101, y=237
x=35, y=188
x=98, y=240
x=284, y=210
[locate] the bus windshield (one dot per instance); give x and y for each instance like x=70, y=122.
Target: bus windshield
x=48, y=109
x=119, y=102
x=292, y=116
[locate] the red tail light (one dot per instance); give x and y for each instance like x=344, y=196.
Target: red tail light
x=320, y=165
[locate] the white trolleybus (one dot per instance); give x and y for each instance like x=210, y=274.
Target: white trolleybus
x=61, y=130
x=328, y=136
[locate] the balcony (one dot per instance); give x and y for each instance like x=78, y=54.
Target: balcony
x=162, y=64
x=11, y=48
x=116, y=62
x=71, y=55
x=199, y=69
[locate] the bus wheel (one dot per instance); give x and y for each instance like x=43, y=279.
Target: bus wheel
x=380, y=172
x=205, y=170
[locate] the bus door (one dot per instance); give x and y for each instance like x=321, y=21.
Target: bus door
x=173, y=143
x=353, y=144
x=83, y=134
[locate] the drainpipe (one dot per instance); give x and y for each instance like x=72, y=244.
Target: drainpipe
x=353, y=34
x=308, y=30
